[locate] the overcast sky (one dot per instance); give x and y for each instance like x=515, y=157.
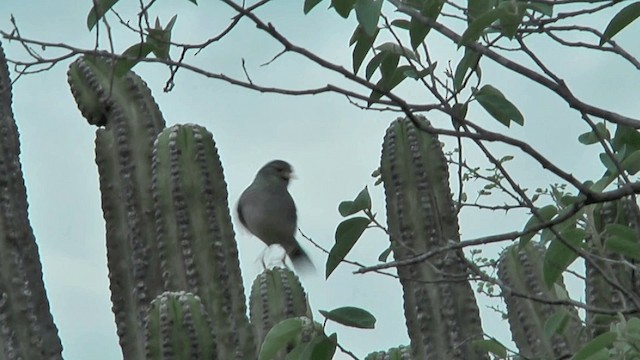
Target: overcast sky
x=332, y=145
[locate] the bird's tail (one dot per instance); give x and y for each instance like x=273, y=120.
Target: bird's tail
x=301, y=260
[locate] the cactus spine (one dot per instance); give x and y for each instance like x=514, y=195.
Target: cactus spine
x=442, y=316
x=131, y=120
x=27, y=330
x=196, y=240
x=178, y=327
x=520, y=269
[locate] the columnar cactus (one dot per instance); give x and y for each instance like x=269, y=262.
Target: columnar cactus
x=520, y=269
x=27, y=330
x=178, y=327
x=276, y=295
x=623, y=213
x=442, y=316
x=195, y=237
x=131, y=120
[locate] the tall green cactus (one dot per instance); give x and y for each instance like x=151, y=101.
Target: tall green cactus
x=131, y=120
x=520, y=269
x=442, y=316
x=196, y=241
x=276, y=295
x=27, y=330
x=623, y=213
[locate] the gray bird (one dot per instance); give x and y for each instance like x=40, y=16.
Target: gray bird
x=267, y=210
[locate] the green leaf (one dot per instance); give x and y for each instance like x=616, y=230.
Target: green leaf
x=511, y=17
x=351, y=316
x=98, y=10
x=609, y=163
x=468, y=61
x=506, y=158
x=559, y=256
x=417, y=30
x=393, y=48
x=556, y=323
x=309, y=5
x=160, y=38
x=364, y=43
x=387, y=84
x=136, y=52
x=368, y=14
x=410, y=71
x=317, y=347
x=603, y=182
x=498, y=106
x=347, y=234
x=632, y=163
x=592, y=137
x=492, y=346
x=543, y=8
x=601, y=342
x=633, y=329
x=374, y=63
x=194, y=1
x=326, y=348
x=361, y=202
x=384, y=255
x=401, y=23
x=621, y=20
x=279, y=337
x=623, y=240
x=459, y=112
x=343, y=7
x=478, y=8
x=477, y=27
x=626, y=137
x=547, y=213
x=389, y=66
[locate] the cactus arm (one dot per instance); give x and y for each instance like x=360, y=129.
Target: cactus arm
x=27, y=330
x=442, y=316
x=131, y=120
x=195, y=235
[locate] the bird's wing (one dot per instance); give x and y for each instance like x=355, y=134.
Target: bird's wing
x=239, y=209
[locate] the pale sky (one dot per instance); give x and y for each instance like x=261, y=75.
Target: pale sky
x=332, y=145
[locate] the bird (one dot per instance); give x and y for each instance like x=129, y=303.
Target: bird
x=267, y=210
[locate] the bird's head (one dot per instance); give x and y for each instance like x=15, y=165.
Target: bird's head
x=279, y=169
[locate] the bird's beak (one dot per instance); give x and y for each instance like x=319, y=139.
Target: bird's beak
x=290, y=175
